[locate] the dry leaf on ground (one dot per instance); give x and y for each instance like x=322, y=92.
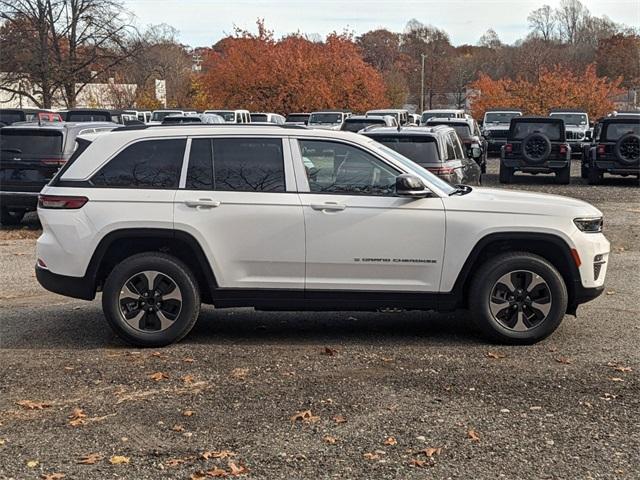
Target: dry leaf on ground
x=473, y=435
x=616, y=379
x=496, y=355
x=339, y=419
x=431, y=451
x=177, y=428
x=330, y=352
x=237, y=469
x=32, y=463
x=89, y=459
x=216, y=472
x=188, y=413
x=371, y=456
x=188, y=379
x=619, y=368
x=174, y=462
x=158, y=376
x=305, y=416
x=563, y=360
x=418, y=463
x=330, y=440
x=52, y=476
x=77, y=417
x=197, y=476
x=217, y=454
x=391, y=441
x=240, y=373
x=118, y=460
x=30, y=405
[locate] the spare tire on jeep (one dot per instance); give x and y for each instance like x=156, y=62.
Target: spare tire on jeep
x=536, y=148
x=627, y=149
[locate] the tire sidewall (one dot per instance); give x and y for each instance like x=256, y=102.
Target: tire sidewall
x=485, y=282
x=544, y=156
x=178, y=272
x=618, y=147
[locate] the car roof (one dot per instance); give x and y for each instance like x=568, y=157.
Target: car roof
x=397, y=110
x=453, y=121
x=59, y=125
x=403, y=131
x=366, y=117
x=505, y=109
x=567, y=110
x=619, y=119
x=536, y=118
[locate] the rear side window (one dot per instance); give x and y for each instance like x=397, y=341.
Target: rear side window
x=146, y=164
x=200, y=171
x=19, y=143
x=420, y=149
x=248, y=164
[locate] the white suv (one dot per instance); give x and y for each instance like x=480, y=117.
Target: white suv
x=161, y=219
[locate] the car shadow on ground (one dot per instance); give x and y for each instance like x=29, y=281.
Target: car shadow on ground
x=491, y=179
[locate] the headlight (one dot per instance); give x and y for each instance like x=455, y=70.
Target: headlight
x=589, y=225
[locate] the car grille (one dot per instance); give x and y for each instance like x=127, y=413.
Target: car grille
x=571, y=135
x=499, y=133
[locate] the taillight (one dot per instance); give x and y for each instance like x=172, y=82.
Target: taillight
x=508, y=148
x=441, y=170
x=601, y=149
x=61, y=202
x=53, y=161
x=564, y=147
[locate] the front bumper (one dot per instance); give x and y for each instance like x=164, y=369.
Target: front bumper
x=27, y=201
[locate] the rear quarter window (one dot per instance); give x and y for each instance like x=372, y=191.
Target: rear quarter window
x=152, y=164
x=616, y=130
x=520, y=130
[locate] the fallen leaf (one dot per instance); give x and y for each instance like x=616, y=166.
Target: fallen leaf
x=89, y=459
x=237, y=469
x=29, y=405
x=240, y=373
x=217, y=454
x=611, y=292
x=174, y=462
x=305, y=416
x=496, y=355
x=391, y=441
x=32, y=463
x=157, y=354
x=339, y=419
x=52, y=476
x=431, y=451
x=188, y=360
x=2, y=440
x=473, y=435
x=177, y=428
x=535, y=407
x=216, y=472
x=387, y=359
x=330, y=352
x=188, y=413
x=623, y=369
x=616, y=379
x=77, y=417
x=418, y=463
x=371, y=456
x=330, y=440
x=563, y=360
x=158, y=376
x=197, y=476
x=118, y=460
x=188, y=379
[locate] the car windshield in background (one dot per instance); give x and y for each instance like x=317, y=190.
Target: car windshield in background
x=463, y=131
x=17, y=143
x=427, y=115
x=177, y=120
x=357, y=125
x=159, y=116
x=550, y=129
x=228, y=116
x=500, y=117
x=297, y=118
x=88, y=117
x=420, y=149
x=10, y=118
x=571, y=118
x=319, y=118
x=259, y=117
x=617, y=130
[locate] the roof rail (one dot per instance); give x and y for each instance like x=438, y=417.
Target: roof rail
x=127, y=128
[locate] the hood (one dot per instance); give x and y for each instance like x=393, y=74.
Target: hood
x=490, y=200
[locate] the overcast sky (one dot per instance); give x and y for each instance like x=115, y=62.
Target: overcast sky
x=203, y=22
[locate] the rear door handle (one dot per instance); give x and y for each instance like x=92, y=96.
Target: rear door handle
x=202, y=202
x=328, y=206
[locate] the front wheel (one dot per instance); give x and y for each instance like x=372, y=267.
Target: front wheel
x=563, y=176
x=151, y=299
x=518, y=298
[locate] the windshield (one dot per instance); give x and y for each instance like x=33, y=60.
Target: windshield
x=332, y=118
x=30, y=142
x=500, y=117
x=381, y=113
x=259, y=117
x=228, y=116
x=159, y=116
x=550, y=129
x=617, y=130
x=416, y=169
x=176, y=120
x=437, y=114
x=303, y=117
x=357, y=125
x=88, y=117
x=571, y=118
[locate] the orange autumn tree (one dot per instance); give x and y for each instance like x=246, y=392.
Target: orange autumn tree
x=557, y=87
x=260, y=73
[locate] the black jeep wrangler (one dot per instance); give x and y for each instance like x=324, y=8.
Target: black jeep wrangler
x=536, y=145
x=615, y=149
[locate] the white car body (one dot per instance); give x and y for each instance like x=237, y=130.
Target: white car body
x=441, y=113
x=232, y=116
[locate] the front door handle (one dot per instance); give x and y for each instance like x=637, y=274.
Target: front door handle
x=328, y=206
x=202, y=202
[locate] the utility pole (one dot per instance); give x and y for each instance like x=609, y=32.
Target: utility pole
x=422, y=55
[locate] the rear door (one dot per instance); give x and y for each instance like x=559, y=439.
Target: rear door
x=29, y=158
x=239, y=199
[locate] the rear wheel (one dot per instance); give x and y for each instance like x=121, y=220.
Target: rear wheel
x=518, y=298
x=563, y=176
x=506, y=174
x=594, y=176
x=151, y=299
x=584, y=171
x=10, y=217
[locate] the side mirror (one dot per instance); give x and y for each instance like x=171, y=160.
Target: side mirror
x=408, y=185
x=587, y=135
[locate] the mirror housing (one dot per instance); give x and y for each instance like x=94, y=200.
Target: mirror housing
x=408, y=185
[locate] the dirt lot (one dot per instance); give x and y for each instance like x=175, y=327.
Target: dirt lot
x=398, y=396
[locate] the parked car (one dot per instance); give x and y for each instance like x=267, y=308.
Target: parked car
x=437, y=149
x=625, y=113
x=276, y=218
x=414, y=120
x=30, y=155
x=401, y=115
x=467, y=129
x=536, y=145
x=9, y=116
x=143, y=116
x=576, y=123
x=495, y=127
x=297, y=118
x=328, y=120
x=355, y=123
x=232, y=116
x=441, y=113
x=616, y=149
x=267, y=117
x=158, y=115
x=199, y=118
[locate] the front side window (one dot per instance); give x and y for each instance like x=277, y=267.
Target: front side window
x=248, y=164
x=343, y=169
x=457, y=148
x=451, y=153
x=146, y=164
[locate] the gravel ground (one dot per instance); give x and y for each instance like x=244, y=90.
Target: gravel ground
x=397, y=396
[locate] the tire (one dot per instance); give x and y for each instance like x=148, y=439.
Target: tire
x=540, y=145
x=506, y=174
x=584, y=171
x=594, y=176
x=11, y=217
x=627, y=149
x=528, y=324
x=563, y=176
x=172, y=318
